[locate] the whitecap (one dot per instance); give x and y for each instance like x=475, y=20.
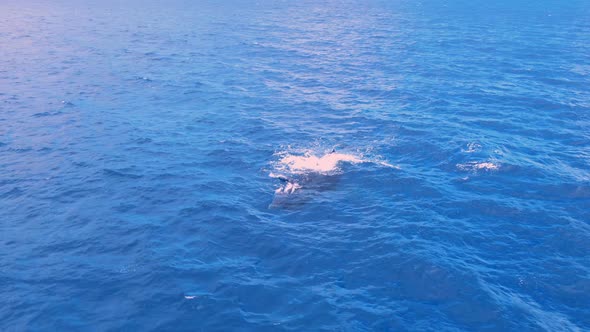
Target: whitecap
x=479, y=165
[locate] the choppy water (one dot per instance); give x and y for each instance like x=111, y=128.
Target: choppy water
x=138, y=142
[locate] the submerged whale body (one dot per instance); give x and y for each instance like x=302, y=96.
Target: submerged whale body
x=303, y=175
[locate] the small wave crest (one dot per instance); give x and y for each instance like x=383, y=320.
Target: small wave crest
x=324, y=162
x=472, y=147
x=479, y=166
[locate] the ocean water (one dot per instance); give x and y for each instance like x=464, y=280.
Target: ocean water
x=168, y=166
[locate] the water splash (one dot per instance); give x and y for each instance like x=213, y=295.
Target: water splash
x=326, y=164
x=295, y=169
x=472, y=148
x=479, y=166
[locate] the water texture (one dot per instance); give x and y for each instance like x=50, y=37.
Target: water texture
x=140, y=143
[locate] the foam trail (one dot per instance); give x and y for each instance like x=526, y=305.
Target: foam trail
x=311, y=163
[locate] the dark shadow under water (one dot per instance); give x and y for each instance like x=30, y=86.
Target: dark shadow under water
x=311, y=185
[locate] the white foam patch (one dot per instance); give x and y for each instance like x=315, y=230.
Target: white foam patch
x=290, y=167
x=311, y=163
x=476, y=166
x=472, y=147
x=328, y=163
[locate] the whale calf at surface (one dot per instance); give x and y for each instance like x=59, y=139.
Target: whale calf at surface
x=301, y=188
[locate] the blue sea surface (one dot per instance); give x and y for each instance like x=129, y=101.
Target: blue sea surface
x=140, y=143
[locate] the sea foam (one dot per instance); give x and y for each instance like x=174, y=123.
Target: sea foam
x=294, y=168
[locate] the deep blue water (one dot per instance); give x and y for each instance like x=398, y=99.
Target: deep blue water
x=137, y=140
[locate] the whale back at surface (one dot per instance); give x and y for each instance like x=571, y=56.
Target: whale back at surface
x=308, y=186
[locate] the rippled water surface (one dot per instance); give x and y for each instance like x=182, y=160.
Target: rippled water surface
x=151, y=170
